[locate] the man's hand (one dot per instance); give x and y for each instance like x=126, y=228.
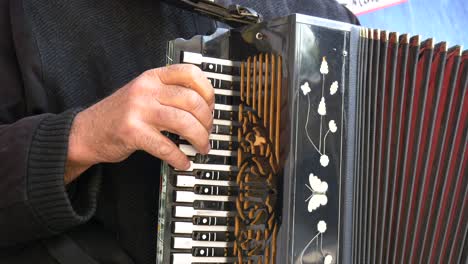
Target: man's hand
x=178, y=99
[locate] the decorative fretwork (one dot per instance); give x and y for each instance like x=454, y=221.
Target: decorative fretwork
x=258, y=159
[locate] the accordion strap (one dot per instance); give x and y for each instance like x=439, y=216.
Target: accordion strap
x=65, y=251
x=234, y=15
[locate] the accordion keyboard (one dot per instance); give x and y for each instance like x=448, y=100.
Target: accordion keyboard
x=223, y=205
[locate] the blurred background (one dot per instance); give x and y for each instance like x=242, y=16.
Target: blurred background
x=444, y=20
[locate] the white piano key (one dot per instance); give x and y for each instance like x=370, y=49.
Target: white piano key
x=184, y=211
x=225, y=107
x=188, y=150
x=185, y=181
x=197, y=58
x=188, y=228
x=222, y=77
x=183, y=227
x=226, y=92
x=184, y=258
x=219, y=137
x=188, y=243
x=183, y=196
x=222, y=152
x=212, y=167
x=189, y=197
x=189, y=212
x=222, y=122
x=190, y=181
x=191, y=151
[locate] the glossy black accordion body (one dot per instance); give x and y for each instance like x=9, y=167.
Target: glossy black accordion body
x=331, y=143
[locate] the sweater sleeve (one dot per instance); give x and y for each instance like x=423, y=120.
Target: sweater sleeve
x=34, y=202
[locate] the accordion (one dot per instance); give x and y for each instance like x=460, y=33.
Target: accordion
x=331, y=143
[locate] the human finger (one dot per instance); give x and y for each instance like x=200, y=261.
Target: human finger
x=189, y=76
x=158, y=145
x=187, y=100
x=184, y=124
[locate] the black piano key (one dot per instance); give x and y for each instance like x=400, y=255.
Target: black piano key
x=215, y=190
x=215, y=175
x=219, y=68
x=223, y=84
x=223, y=130
x=213, y=236
x=215, y=144
x=213, y=159
x=227, y=99
x=213, y=221
x=213, y=205
x=212, y=252
x=214, y=262
x=224, y=145
x=226, y=115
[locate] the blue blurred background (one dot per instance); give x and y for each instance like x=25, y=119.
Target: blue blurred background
x=444, y=20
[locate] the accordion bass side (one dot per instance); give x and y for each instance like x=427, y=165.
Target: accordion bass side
x=331, y=143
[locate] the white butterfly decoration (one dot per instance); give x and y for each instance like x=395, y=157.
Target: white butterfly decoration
x=318, y=196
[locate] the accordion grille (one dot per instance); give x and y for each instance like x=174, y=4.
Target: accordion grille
x=258, y=159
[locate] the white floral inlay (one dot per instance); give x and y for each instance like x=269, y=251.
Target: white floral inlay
x=305, y=88
x=322, y=112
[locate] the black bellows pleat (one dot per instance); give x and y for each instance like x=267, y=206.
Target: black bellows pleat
x=388, y=119
x=411, y=184
x=379, y=138
x=396, y=134
x=357, y=162
x=439, y=136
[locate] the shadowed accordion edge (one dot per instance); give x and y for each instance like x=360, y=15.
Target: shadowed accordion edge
x=331, y=143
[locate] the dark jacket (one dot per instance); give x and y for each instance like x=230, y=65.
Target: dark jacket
x=60, y=56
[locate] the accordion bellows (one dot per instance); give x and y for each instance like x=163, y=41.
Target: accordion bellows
x=411, y=180
x=331, y=143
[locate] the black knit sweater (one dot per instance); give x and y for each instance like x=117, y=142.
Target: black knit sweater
x=60, y=56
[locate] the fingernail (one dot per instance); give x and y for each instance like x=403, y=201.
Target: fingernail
x=208, y=148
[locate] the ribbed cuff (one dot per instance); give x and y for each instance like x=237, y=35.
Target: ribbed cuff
x=47, y=194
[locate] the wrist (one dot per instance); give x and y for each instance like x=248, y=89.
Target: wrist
x=80, y=154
